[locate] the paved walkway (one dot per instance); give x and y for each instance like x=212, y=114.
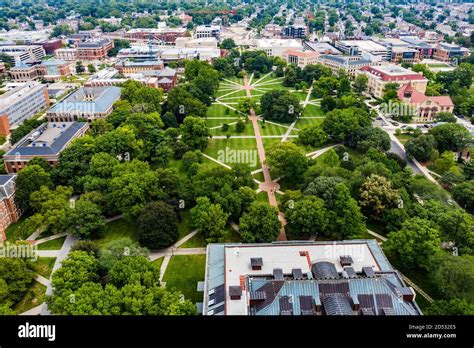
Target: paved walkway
x=292, y=126
x=267, y=185
x=33, y=311
x=47, y=239
x=61, y=255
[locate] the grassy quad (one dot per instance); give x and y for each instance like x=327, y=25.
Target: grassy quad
x=183, y=273
x=246, y=148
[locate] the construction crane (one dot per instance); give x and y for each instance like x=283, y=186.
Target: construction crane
x=224, y=14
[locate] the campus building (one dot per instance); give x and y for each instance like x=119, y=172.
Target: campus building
x=380, y=76
x=426, y=107
x=49, y=70
x=94, y=49
x=165, y=34
x=360, y=47
x=349, y=64
x=87, y=102
x=321, y=47
x=446, y=52
x=23, y=53
x=203, y=31
x=9, y=212
x=304, y=278
x=132, y=67
x=300, y=58
x=400, y=51
x=21, y=103
x=47, y=141
x=276, y=47
x=294, y=31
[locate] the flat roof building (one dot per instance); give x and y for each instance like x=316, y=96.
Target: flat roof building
x=350, y=277
x=21, y=103
x=87, y=102
x=203, y=31
x=357, y=47
x=379, y=76
x=350, y=64
x=276, y=47
x=47, y=141
x=301, y=58
x=23, y=53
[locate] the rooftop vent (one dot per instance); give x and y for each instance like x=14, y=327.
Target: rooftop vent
x=297, y=273
x=286, y=305
x=346, y=260
x=278, y=274
x=368, y=272
x=235, y=292
x=256, y=263
x=407, y=293
x=351, y=273
x=307, y=305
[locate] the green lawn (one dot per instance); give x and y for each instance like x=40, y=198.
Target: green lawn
x=312, y=110
x=157, y=263
x=33, y=297
x=43, y=266
x=308, y=121
x=198, y=241
x=15, y=231
x=262, y=197
x=271, y=129
x=184, y=226
x=183, y=273
x=115, y=230
x=247, y=131
x=234, y=150
x=404, y=137
x=258, y=176
x=219, y=110
x=54, y=244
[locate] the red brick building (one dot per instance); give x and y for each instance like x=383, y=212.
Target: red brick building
x=9, y=212
x=93, y=50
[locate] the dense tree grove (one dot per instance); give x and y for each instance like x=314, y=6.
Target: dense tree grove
x=82, y=287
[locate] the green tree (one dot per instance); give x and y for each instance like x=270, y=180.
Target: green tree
x=312, y=135
x=414, y=244
x=84, y=219
x=345, y=218
x=28, y=181
x=210, y=219
x=78, y=268
x=450, y=137
x=421, y=148
x=341, y=124
x=377, y=195
x=454, y=276
x=307, y=217
x=260, y=224
x=464, y=194
x=79, y=67
x=370, y=138
x=157, y=226
x=280, y=105
x=360, y=83
x=15, y=280
x=286, y=159
x=91, y=68
x=228, y=44
x=195, y=132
